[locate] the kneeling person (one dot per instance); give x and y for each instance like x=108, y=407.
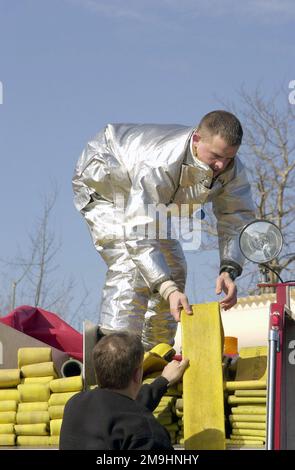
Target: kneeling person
x=118, y=414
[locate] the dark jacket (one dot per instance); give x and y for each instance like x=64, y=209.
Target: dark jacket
x=101, y=419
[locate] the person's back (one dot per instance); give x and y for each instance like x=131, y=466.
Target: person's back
x=102, y=419
x=118, y=414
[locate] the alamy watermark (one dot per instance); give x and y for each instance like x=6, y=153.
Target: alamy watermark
x=292, y=93
x=152, y=222
x=1, y=92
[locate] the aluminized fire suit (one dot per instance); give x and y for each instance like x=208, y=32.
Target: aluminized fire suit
x=142, y=165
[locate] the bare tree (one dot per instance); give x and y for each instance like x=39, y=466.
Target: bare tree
x=269, y=154
x=36, y=275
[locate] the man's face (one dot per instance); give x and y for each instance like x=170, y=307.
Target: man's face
x=214, y=151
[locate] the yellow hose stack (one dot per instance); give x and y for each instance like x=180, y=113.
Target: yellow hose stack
x=9, y=398
x=32, y=400
x=154, y=362
x=247, y=399
x=32, y=418
x=62, y=390
x=179, y=414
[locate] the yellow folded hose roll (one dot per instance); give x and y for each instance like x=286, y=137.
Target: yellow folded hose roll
x=164, y=350
x=56, y=411
x=233, y=400
x=250, y=418
x=33, y=392
x=7, y=428
x=163, y=406
x=32, y=417
x=166, y=399
x=8, y=405
x=152, y=363
x=55, y=426
x=248, y=410
x=172, y=391
x=9, y=394
x=7, y=439
x=252, y=363
x=164, y=420
x=54, y=440
x=39, y=380
x=247, y=425
x=60, y=398
x=67, y=384
x=7, y=417
x=250, y=393
x=203, y=390
x=9, y=378
x=40, y=429
x=247, y=438
x=36, y=441
x=179, y=404
x=243, y=442
x=43, y=369
x=245, y=384
x=27, y=356
x=33, y=406
x=249, y=432
x=162, y=413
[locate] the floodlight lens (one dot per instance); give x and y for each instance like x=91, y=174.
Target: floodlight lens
x=261, y=241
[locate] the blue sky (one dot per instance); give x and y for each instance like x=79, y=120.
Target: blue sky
x=68, y=67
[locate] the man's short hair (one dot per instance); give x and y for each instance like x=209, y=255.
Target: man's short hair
x=116, y=356
x=222, y=123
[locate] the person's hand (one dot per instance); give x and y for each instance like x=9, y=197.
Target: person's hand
x=174, y=371
x=177, y=301
x=225, y=284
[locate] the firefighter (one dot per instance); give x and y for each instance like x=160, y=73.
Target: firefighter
x=128, y=172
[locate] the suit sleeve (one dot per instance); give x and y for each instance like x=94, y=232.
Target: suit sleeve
x=146, y=223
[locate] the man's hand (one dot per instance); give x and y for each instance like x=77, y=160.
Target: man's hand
x=174, y=371
x=225, y=284
x=177, y=301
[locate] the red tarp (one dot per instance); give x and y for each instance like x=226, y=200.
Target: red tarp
x=47, y=327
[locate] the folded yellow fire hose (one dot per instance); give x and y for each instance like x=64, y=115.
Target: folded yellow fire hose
x=8, y=405
x=33, y=406
x=9, y=378
x=33, y=392
x=67, y=384
x=40, y=429
x=55, y=426
x=32, y=417
x=43, y=369
x=7, y=417
x=7, y=439
x=36, y=441
x=56, y=411
x=27, y=356
x=60, y=398
x=35, y=380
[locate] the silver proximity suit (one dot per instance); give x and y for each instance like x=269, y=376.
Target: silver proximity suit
x=126, y=169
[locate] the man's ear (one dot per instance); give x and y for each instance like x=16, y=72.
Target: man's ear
x=196, y=137
x=137, y=375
